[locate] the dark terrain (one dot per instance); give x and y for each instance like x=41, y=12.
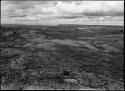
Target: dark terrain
x=62, y=57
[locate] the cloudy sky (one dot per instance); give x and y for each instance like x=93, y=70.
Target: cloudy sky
x=62, y=12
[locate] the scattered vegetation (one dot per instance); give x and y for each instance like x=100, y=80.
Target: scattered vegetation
x=62, y=57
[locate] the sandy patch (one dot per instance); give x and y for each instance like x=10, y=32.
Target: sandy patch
x=33, y=88
x=75, y=43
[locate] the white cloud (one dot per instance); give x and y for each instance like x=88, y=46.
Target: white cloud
x=63, y=11
x=91, y=7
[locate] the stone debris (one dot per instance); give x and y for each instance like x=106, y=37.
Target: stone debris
x=33, y=88
x=70, y=80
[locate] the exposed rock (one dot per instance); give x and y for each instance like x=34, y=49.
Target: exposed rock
x=14, y=65
x=11, y=86
x=33, y=88
x=8, y=33
x=70, y=80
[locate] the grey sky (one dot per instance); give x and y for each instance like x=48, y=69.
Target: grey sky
x=62, y=12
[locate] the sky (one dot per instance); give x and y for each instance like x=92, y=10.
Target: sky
x=62, y=12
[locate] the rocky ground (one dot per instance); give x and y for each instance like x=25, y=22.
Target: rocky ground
x=56, y=58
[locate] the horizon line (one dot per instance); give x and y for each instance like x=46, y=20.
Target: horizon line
x=63, y=24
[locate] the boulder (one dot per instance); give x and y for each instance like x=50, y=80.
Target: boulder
x=71, y=80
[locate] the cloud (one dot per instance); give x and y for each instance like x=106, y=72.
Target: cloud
x=93, y=8
x=69, y=17
x=14, y=16
x=62, y=11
